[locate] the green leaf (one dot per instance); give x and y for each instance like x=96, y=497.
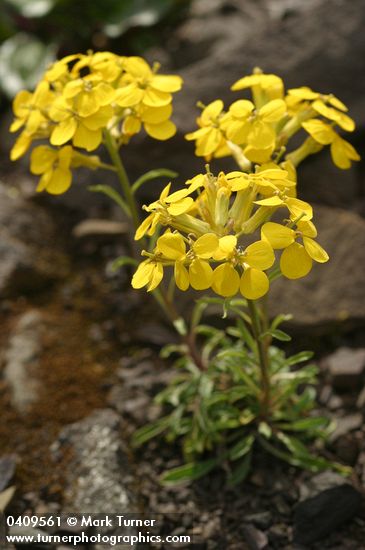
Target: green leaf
x=180, y=326
x=298, y=358
x=265, y=430
x=152, y=175
x=188, y=472
x=240, y=472
x=241, y=448
x=149, y=432
x=121, y=261
x=280, y=319
x=306, y=424
x=276, y=333
x=112, y=194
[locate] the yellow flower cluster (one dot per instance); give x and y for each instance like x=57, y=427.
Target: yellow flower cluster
x=209, y=240
x=262, y=127
x=80, y=96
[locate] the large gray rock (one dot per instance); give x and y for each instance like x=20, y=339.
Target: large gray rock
x=333, y=291
x=29, y=258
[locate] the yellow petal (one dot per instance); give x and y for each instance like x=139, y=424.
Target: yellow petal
x=273, y=110
x=155, y=98
x=324, y=110
x=104, y=94
x=171, y=245
x=137, y=67
x=129, y=96
x=241, y=108
x=180, y=207
x=143, y=274
x=156, y=277
x=131, y=126
x=254, y=284
x=212, y=111
x=226, y=280
x=86, y=104
x=98, y=119
x=64, y=131
x=155, y=115
x=335, y=102
x=228, y=243
x=320, y=131
x=21, y=146
x=271, y=201
x=307, y=228
x=303, y=93
x=206, y=245
x=295, y=262
x=167, y=83
x=209, y=142
x=261, y=135
x=259, y=155
x=42, y=159
x=87, y=139
x=144, y=227
x=259, y=255
x=299, y=208
x=162, y=131
x=59, y=182
x=279, y=236
x=181, y=276
x=343, y=153
x=315, y=251
x=200, y=275
x=346, y=123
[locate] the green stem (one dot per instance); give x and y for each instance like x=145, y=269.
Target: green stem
x=262, y=357
x=112, y=148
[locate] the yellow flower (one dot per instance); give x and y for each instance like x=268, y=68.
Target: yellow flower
x=88, y=94
x=342, y=152
x=244, y=125
x=54, y=167
x=140, y=84
x=155, y=121
x=149, y=273
x=167, y=205
x=264, y=86
x=210, y=138
x=296, y=260
x=85, y=132
x=296, y=207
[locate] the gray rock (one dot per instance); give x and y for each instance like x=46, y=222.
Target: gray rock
x=346, y=367
x=320, y=515
x=254, y=538
x=99, y=228
x=319, y=483
x=22, y=359
x=98, y=473
x=360, y=403
x=262, y=520
x=29, y=258
x=7, y=470
x=334, y=291
x=345, y=425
